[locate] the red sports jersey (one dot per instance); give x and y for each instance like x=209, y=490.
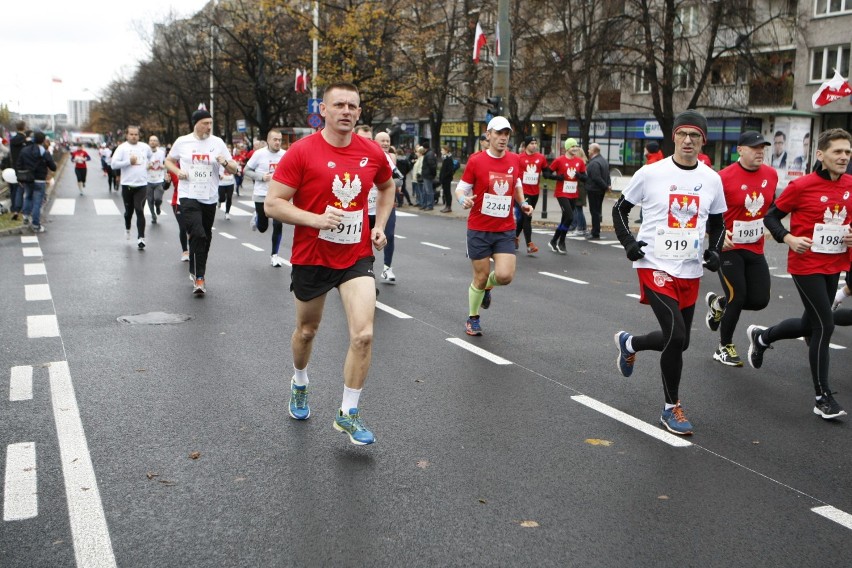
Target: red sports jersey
x=568, y=167
x=324, y=176
x=705, y=159
x=80, y=157
x=812, y=200
x=748, y=196
x=531, y=167
x=494, y=181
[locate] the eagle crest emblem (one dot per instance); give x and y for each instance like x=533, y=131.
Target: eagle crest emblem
x=836, y=218
x=753, y=204
x=683, y=212
x=347, y=189
x=501, y=187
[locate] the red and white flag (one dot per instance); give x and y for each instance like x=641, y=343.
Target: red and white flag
x=479, y=41
x=305, y=85
x=497, y=40
x=833, y=90
x=297, y=86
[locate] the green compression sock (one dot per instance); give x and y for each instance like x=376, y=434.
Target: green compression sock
x=474, y=299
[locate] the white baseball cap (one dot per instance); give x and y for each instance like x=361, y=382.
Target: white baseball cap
x=499, y=123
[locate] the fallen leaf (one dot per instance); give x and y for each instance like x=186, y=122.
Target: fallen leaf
x=239, y=479
x=755, y=442
x=140, y=370
x=55, y=542
x=166, y=482
x=194, y=455
x=663, y=497
x=84, y=488
x=483, y=501
x=152, y=475
x=423, y=464
x=597, y=442
x=529, y=524
x=417, y=381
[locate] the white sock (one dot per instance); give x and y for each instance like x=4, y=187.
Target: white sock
x=300, y=377
x=670, y=406
x=350, y=399
x=629, y=344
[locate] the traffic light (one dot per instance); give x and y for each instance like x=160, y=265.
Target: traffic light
x=495, y=106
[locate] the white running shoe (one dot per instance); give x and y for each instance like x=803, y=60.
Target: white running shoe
x=227, y=216
x=253, y=222
x=127, y=234
x=388, y=275
x=276, y=261
x=141, y=244
x=184, y=256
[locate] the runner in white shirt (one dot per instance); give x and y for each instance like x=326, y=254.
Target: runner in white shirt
x=260, y=168
x=132, y=159
x=156, y=177
x=226, y=187
x=196, y=159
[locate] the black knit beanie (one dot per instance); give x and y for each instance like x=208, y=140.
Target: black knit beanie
x=200, y=114
x=691, y=118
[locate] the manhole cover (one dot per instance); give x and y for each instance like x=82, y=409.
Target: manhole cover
x=155, y=318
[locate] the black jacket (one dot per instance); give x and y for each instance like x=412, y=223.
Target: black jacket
x=430, y=165
x=32, y=159
x=448, y=168
x=16, y=144
x=598, y=172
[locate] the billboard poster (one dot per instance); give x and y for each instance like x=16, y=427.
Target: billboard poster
x=790, y=153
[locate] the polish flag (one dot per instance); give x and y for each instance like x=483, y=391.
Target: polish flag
x=497, y=39
x=297, y=86
x=479, y=41
x=305, y=80
x=830, y=91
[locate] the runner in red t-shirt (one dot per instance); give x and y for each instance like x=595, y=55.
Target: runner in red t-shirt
x=568, y=170
x=80, y=157
x=533, y=163
x=321, y=186
x=819, y=238
x=491, y=181
x=749, y=186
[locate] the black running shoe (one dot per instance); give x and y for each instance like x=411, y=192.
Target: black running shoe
x=714, y=314
x=827, y=407
x=755, y=349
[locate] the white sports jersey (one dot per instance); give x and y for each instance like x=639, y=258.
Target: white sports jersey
x=156, y=166
x=263, y=161
x=137, y=174
x=198, y=158
x=675, y=205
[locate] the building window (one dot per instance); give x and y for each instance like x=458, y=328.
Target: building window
x=684, y=75
x=830, y=7
x=643, y=84
x=686, y=24
x=828, y=59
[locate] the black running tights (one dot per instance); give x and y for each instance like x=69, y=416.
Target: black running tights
x=134, y=202
x=745, y=281
x=526, y=220
x=817, y=294
x=672, y=339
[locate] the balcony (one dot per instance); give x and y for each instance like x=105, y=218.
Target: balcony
x=771, y=92
x=728, y=96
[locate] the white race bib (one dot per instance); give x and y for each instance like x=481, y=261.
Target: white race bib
x=348, y=231
x=676, y=244
x=828, y=239
x=747, y=231
x=200, y=179
x=569, y=186
x=155, y=176
x=372, y=198
x=530, y=178
x=496, y=205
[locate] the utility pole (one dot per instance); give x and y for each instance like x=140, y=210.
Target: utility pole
x=502, y=66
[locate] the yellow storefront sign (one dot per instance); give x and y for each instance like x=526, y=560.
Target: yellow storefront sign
x=454, y=129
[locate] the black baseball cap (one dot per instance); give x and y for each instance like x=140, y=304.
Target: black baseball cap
x=752, y=138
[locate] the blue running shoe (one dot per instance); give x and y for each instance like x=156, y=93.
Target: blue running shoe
x=298, y=407
x=352, y=425
x=675, y=422
x=472, y=327
x=486, y=299
x=625, y=358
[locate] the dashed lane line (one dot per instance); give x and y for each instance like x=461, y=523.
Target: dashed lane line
x=34, y=269
x=227, y=235
x=29, y=240
x=32, y=252
x=637, y=296
x=21, y=383
x=63, y=206
x=106, y=207
x=496, y=359
x=36, y=292
x=566, y=278
x=20, y=488
x=832, y=514
x=252, y=247
x=428, y=244
x=42, y=326
x=391, y=311
x=635, y=423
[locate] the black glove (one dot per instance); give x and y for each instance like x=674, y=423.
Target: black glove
x=634, y=250
x=711, y=260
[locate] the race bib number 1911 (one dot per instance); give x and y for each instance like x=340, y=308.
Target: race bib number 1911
x=348, y=231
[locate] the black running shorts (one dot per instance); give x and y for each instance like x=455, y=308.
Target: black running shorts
x=308, y=281
x=482, y=244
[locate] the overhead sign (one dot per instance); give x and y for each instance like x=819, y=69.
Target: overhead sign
x=313, y=106
x=314, y=120
x=241, y=126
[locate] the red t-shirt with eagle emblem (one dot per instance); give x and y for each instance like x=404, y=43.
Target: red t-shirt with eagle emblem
x=812, y=199
x=494, y=181
x=568, y=167
x=748, y=195
x=324, y=176
x=531, y=167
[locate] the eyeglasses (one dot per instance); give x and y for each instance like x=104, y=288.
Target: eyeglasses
x=694, y=136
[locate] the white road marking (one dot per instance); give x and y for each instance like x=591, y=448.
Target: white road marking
x=603, y=242
x=252, y=247
x=396, y=236
x=21, y=383
x=840, y=517
x=42, y=326
x=20, y=490
x=830, y=345
x=783, y=275
x=34, y=269
x=404, y=214
x=35, y=292
x=637, y=296
x=63, y=206
x=574, y=280
x=392, y=311
x=237, y=212
x=106, y=207
x=31, y=252
x=29, y=240
x=434, y=245
x=479, y=351
x=227, y=235
x=245, y=202
x=92, y=544
x=624, y=418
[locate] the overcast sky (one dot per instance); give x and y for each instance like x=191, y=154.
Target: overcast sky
x=86, y=43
